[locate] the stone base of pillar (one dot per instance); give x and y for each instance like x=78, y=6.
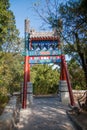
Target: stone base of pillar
x=29, y=93
x=63, y=92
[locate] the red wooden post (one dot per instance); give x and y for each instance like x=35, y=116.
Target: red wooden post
x=28, y=80
x=64, y=68
x=26, y=65
x=24, y=102
x=63, y=74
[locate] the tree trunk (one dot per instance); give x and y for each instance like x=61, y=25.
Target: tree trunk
x=82, y=57
x=84, y=65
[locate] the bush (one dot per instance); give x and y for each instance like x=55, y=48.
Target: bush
x=3, y=95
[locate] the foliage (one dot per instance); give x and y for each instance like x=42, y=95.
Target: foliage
x=69, y=19
x=10, y=68
x=11, y=71
x=8, y=32
x=74, y=18
x=76, y=75
x=3, y=98
x=3, y=95
x=11, y=74
x=45, y=79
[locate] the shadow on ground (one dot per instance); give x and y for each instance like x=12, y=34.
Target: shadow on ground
x=45, y=114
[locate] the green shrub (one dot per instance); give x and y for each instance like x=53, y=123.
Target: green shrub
x=3, y=95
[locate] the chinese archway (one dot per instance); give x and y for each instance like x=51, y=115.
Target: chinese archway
x=43, y=48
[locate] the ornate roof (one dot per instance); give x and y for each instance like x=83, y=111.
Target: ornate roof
x=41, y=34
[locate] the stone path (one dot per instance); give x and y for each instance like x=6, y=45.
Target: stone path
x=45, y=114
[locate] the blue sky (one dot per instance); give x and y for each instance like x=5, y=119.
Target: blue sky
x=23, y=9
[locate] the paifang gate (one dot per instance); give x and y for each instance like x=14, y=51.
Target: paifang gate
x=43, y=48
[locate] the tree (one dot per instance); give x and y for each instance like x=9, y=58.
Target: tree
x=11, y=71
x=76, y=75
x=11, y=75
x=8, y=32
x=75, y=32
x=45, y=79
x=70, y=21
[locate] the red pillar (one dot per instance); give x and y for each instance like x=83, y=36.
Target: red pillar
x=26, y=65
x=26, y=74
x=65, y=76
x=28, y=80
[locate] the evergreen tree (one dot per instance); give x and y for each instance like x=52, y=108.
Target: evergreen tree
x=76, y=75
x=45, y=79
x=8, y=31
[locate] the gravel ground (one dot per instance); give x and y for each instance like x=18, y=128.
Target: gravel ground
x=45, y=114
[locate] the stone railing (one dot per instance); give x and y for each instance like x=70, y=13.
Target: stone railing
x=9, y=117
